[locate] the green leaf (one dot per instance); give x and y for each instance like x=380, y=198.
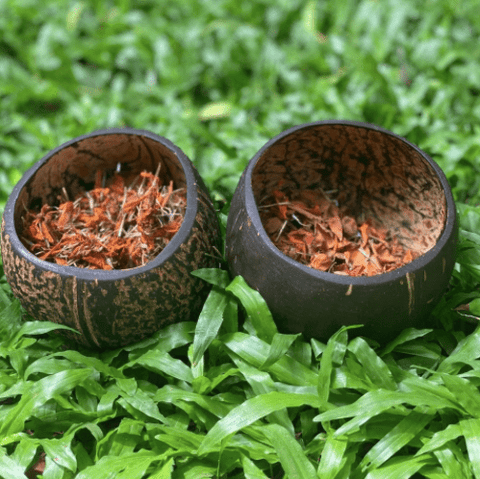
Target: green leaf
x=250, y=411
x=333, y=457
x=453, y=461
x=332, y=355
x=292, y=457
x=185, y=442
x=474, y=307
x=400, y=468
x=209, y=322
x=255, y=352
x=10, y=317
x=256, y=308
x=471, y=432
x=374, y=367
x=262, y=383
x=464, y=392
x=172, y=395
x=41, y=327
x=128, y=466
x=164, y=364
x=373, y=404
x=166, y=339
x=25, y=450
x=39, y=393
x=250, y=470
x=467, y=350
x=60, y=451
x=10, y=468
x=279, y=347
x=399, y=436
x=440, y=438
x=217, y=277
x=405, y=336
x=141, y=405
x=165, y=472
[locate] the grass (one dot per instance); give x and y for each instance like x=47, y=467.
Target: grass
x=224, y=397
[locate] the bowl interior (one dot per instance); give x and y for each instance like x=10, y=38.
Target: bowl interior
x=75, y=166
x=373, y=174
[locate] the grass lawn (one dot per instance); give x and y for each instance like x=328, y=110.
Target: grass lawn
x=219, y=79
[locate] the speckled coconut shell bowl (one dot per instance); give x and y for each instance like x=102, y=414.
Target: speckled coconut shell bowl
x=117, y=307
x=377, y=174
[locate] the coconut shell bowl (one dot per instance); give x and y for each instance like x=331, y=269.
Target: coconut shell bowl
x=370, y=193
x=111, y=308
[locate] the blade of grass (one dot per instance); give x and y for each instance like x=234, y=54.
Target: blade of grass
x=209, y=322
x=38, y=394
x=256, y=308
x=405, y=336
x=166, y=339
x=400, y=468
x=466, y=351
x=128, y=466
x=10, y=319
x=172, y=394
x=292, y=457
x=450, y=462
x=373, y=365
x=440, y=438
x=333, y=457
x=464, y=392
x=332, y=355
x=399, y=436
x=280, y=345
x=250, y=470
x=185, y=442
x=369, y=405
x=250, y=411
x=61, y=450
x=217, y=277
x=471, y=432
x=10, y=468
x=255, y=352
x=165, y=472
x=164, y=364
x=262, y=383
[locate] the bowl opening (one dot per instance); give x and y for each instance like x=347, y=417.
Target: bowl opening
x=74, y=169
x=370, y=175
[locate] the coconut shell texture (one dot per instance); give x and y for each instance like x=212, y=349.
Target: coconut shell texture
x=125, y=306
x=377, y=175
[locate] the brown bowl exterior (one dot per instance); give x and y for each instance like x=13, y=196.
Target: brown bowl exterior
x=316, y=303
x=114, y=308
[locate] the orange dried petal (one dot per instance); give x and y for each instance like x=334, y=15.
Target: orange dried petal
x=320, y=261
x=335, y=225
x=97, y=260
x=371, y=269
x=408, y=257
x=364, y=232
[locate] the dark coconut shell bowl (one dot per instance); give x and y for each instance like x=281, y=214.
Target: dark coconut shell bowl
x=375, y=174
x=112, y=308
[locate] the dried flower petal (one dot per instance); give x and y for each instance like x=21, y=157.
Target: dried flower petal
x=314, y=230
x=107, y=227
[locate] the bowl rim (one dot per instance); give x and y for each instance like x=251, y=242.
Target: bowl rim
x=416, y=264
x=89, y=274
